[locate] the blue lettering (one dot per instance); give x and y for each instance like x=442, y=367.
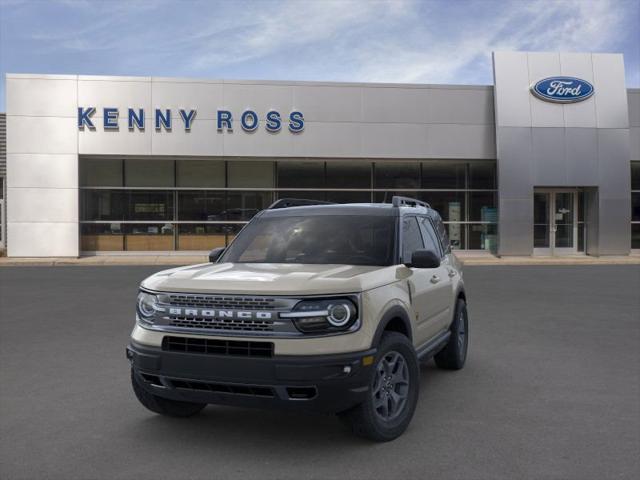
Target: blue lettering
x=274, y=124
x=136, y=120
x=84, y=117
x=163, y=120
x=296, y=122
x=110, y=117
x=187, y=118
x=249, y=120
x=225, y=119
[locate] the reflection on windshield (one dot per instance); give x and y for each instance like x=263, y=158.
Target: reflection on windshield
x=321, y=239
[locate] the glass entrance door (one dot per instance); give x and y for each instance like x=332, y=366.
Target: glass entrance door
x=555, y=222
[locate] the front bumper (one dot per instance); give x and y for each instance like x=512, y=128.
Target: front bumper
x=321, y=383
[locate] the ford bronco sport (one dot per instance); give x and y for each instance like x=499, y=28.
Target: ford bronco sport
x=319, y=307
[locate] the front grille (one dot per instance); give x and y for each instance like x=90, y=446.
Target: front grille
x=227, y=324
x=222, y=302
x=254, y=390
x=218, y=347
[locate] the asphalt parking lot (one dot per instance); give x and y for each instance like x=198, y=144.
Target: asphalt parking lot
x=551, y=390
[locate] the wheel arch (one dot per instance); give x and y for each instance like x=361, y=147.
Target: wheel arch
x=396, y=319
x=461, y=294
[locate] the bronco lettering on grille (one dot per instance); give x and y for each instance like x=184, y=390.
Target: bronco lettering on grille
x=209, y=313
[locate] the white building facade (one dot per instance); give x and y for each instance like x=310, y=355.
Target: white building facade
x=140, y=164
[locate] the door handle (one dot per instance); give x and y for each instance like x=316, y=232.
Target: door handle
x=452, y=273
x=435, y=279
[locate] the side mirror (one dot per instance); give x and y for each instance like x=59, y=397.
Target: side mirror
x=424, y=259
x=215, y=254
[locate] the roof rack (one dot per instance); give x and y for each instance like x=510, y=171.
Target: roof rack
x=296, y=202
x=398, y=201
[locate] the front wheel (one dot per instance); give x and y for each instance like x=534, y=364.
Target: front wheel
x=454, y=354
x=393, y=392
x=163, y=406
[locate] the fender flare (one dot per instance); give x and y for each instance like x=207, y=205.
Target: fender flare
x=460, y=293
x=394, y=312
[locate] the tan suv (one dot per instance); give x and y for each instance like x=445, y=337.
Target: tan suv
x=319, y=307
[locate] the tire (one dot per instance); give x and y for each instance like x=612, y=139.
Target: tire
x=372, y=419
x=164, y=406
x=454, y=354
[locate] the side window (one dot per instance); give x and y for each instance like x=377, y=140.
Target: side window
x=411, y=238
x=441, y=230
x=431, y=241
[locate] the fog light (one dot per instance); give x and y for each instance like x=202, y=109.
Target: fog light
x=368, y=360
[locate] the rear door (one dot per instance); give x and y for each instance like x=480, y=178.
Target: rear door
x=426, y=285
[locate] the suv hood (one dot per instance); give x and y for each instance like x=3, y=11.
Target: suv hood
x=271, y=278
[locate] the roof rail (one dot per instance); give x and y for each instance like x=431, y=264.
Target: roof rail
x=296, y=202
x=398, y=201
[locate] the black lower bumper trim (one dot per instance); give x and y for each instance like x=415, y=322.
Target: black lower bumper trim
x=323, y=383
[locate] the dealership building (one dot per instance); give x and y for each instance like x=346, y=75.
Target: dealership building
x=544, y=162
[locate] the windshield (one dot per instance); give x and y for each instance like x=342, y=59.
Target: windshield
x=320, y=239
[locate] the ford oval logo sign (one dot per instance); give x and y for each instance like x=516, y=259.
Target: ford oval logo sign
x=562, y=89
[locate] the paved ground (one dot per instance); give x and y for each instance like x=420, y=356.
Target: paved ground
x=551, y=390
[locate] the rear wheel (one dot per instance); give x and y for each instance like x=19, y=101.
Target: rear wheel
x=163, y=406
x=454, y=354
x=393, y=393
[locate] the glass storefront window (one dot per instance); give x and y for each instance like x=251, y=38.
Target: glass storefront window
x=244, y=205
x=356, y=174
x=635, y=235
x=148, y=237
x=150, y=205
x=201, y=205
x=635, y=175
x=456, y=233
x=212, y=192
x=441, y=175
x=250, y=174
x=307, y=195
x=482, y=175
x=635, y=206
x=385, y=197
x=203, y=236
x=397, y=175
x=348, y=197
x=200, y=173
x=482, y=207
x=106, y=237
x=149, y=173
x=482, y=237
x=103, y=205
x=101, y=172
x=301, y=174
x=450, y=205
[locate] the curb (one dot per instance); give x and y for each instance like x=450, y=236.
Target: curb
x=175, y=261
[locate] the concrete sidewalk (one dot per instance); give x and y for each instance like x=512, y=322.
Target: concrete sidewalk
x=97, y=260
x=467, y=258
x=473, y=258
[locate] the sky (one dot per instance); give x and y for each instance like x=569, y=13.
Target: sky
x=403, y=41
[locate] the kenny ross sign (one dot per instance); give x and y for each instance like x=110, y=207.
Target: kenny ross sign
x=162, y=119
x=562, y=89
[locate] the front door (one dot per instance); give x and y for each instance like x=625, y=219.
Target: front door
x=430, y=287
x=555, y=226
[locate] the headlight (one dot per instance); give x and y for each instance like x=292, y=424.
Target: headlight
x=323, y=316
x=146, y=307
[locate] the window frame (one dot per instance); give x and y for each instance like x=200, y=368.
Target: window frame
x=402, y=239
x=435, y=237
